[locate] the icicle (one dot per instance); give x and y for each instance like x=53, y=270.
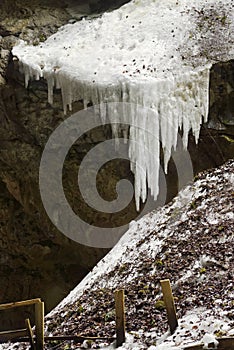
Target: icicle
x=176, y=102
x=50, y=82
x=166, y=94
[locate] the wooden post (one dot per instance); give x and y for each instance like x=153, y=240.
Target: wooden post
x=170, y=305
x=39, y=323
x=120, y=317
x=30, y=334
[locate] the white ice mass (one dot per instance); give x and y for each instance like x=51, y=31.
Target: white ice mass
x=152, y=53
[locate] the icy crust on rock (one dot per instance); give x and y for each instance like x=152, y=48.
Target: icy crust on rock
x=140, y=54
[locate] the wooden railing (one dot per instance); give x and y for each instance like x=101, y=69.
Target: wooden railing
x=39, y=323
x=37, y=342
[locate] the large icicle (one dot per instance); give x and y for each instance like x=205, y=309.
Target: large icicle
x=149, y=53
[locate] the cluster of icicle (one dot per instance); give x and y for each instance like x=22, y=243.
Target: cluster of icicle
x=178, y=102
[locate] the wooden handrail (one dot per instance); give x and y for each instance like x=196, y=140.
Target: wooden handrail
x=19, y=304
x=10, y=335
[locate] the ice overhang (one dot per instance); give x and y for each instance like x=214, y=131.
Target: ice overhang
x=156, y=54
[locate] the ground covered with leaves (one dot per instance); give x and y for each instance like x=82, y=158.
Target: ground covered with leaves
x=189, y=241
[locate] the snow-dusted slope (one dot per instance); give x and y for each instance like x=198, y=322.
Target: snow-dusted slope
x=189, y=241
x=152, y=53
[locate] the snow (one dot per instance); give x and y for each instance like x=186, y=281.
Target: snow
x=125, y=250
x=190, y=326
x=199, y=324
x=208, y=339
x=193, y=323
x=148, y=53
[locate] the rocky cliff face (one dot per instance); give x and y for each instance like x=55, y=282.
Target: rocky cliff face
x=216, y=139
x=36, y=259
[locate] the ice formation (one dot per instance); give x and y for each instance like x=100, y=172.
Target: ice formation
x=148, y=53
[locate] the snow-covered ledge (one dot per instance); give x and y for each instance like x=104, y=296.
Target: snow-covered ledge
x=149, y=52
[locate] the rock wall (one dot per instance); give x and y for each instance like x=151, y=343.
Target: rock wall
x=216, y=143
x=36, y=259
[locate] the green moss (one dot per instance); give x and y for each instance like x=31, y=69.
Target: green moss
x=159, y=263
x=228, y=138
x=223, y=20
x=143, y=291
x=193, y=205
x=160, y=305
x=79, y=309
x=42, y=37
x=202, y=270
x=122, y=268
x=220, y=333
x=89, y=343
x=109, y=316
x=66, y=347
